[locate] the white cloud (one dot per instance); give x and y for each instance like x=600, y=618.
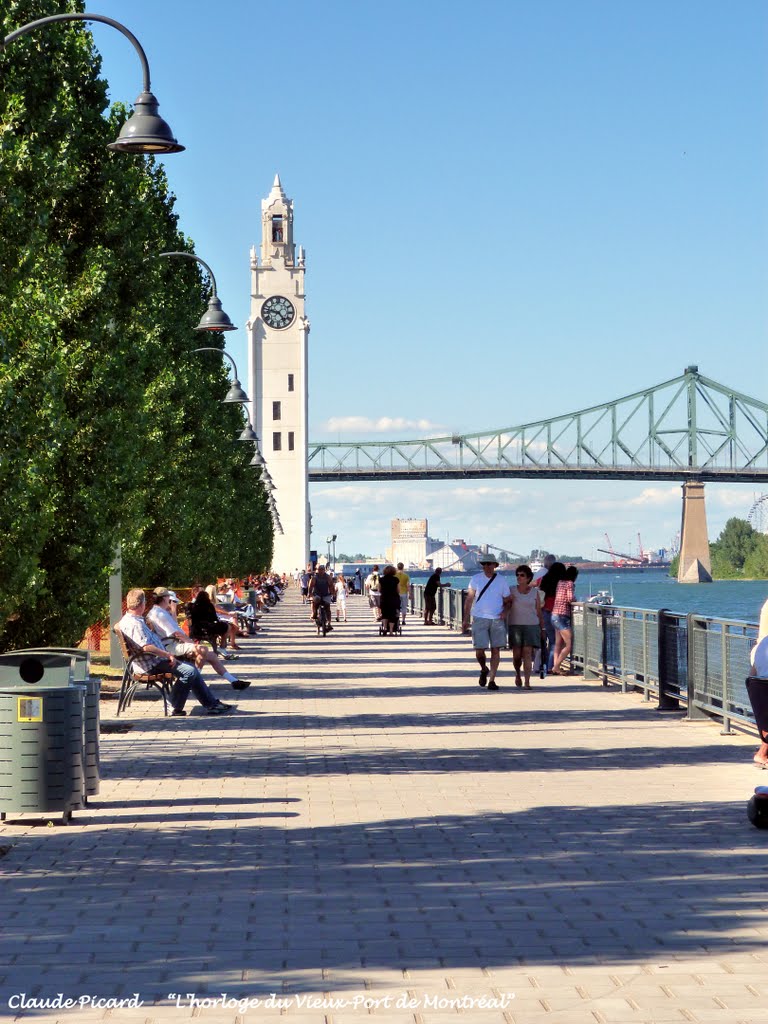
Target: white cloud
x=658, y=496
x=383, y=425
x=565, y=515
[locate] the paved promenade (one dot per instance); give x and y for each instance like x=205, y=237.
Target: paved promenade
x=375, y=838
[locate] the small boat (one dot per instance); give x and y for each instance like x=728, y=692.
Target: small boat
x=603, y=597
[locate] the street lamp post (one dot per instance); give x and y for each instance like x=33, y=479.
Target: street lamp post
x=214, y=319
x=235, y=393
x=144, y=131
x=332, y=541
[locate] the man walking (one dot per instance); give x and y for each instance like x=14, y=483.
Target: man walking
x=487, y=599
x=374, y=593
x=403, y=581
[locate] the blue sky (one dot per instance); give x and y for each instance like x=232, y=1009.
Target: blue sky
x=510, y=210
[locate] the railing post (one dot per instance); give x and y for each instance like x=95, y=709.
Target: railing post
x=667, y=701
x=646, y=693
x=586, y=671
x=622, y=652
x=695, y=713
x=440, y=616
x=603, y=613
x=726, y=730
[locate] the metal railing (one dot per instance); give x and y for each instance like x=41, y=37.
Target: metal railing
x=686, y=662
x=450, y=604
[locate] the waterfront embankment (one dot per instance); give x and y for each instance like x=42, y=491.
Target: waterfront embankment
x=373, y=825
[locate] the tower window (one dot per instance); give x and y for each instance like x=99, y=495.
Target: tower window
x=290, y=382
x=277, y=441
x=290, y=440
x=277, y=228
x=276, y=410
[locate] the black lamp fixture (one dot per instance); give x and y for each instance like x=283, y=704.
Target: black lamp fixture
x=214, y=318
x=144, y=131
x=249, y=434
x=235, y=393
x=257, y=460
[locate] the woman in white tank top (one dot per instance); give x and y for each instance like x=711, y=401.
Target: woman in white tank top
x=341, y=597
x=525, y=624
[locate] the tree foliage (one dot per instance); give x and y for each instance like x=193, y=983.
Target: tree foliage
x=111, y=428
x=740, y=552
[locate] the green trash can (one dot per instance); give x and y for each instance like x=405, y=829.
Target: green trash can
x=81, y=667
x=41, y=749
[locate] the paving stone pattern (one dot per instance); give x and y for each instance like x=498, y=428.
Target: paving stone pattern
x=375, y=837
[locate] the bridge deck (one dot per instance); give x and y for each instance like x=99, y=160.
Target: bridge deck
x=373, y=824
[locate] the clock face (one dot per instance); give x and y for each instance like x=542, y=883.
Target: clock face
x=277, y=312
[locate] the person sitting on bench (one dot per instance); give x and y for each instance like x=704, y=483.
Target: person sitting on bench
x=155, y=659
x=161, y=617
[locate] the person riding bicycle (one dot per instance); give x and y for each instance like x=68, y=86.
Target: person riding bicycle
x=321, y=592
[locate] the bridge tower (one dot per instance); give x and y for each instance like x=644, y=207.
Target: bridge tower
x=694, y=565
x=277, y=373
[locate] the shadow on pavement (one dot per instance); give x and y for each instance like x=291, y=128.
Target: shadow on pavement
x=550, y=885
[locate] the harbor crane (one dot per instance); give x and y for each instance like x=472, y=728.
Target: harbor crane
x=619, y=558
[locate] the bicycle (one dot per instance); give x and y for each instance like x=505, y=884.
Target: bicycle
x=322, y=618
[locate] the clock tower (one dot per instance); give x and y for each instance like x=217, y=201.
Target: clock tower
x=277, y=373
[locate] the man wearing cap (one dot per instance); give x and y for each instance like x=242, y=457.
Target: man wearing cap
x=162, y=619
x=487, y=600
x=155, y=658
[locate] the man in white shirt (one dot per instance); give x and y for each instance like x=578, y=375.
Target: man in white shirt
x=161, y=618
x=374, y=593
x=487, y=600
x=155, y=658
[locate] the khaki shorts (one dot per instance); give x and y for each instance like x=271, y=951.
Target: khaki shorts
x=180, y=648
x=488, y=633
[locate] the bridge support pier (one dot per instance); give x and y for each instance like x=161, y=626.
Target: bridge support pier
x=695, y=566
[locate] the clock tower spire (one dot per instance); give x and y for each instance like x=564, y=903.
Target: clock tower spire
x=278, y=330
x=277, y=226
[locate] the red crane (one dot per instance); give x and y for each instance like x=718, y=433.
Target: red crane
x=619, y=558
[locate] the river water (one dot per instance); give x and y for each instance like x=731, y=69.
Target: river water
x=654, y=589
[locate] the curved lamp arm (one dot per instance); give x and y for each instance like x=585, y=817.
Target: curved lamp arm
x=144, y=131
x=235, y=393
x=215, y=319
x=85, y=16
x=191, y=256
x=221, y=352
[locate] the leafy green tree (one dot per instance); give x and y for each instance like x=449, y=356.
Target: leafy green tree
x=736, y=542
x=110, y=431
x=756, y=563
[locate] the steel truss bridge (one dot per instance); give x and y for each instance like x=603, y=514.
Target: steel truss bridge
x=688, y=428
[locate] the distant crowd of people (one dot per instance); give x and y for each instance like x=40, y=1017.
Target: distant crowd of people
x=216, y=616
x=386, y=592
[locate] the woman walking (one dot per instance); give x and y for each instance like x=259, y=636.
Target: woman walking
x=525, y=625
x=340, y=588
x=548, y=586
x=562, y=619
x=390, y=600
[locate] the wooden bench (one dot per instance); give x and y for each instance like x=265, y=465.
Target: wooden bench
x=133, y=676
